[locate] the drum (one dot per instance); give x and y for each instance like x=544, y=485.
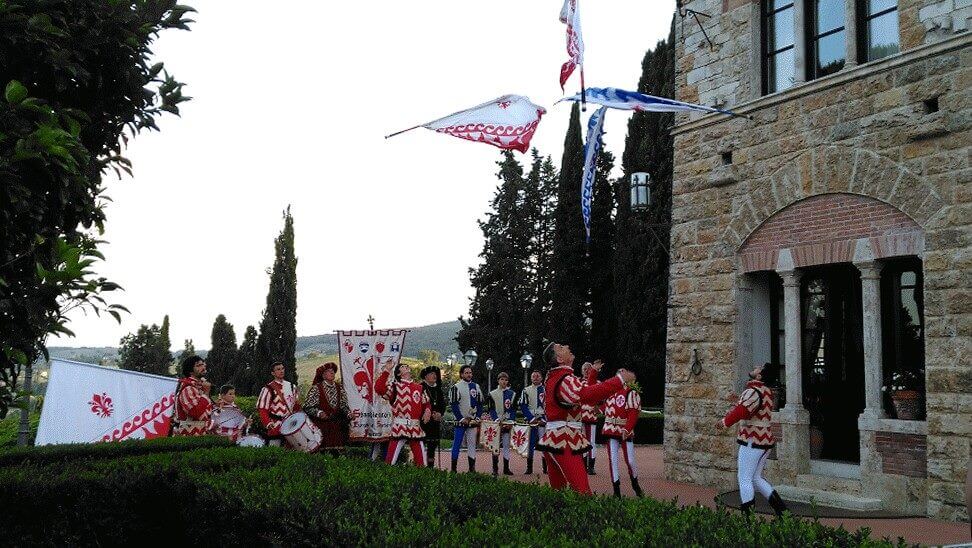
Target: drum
x=301, y=434
x=229, y=419
x=252, y=440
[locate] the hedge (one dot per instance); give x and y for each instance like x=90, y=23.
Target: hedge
x=229, y=495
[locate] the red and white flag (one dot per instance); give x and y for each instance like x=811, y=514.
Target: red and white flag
x=362, y=355
x=507, y=122
x=87, y=403
x=570, y=16
x=520, y=439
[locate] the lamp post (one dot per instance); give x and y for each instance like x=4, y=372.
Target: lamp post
x=526, y=360
x=640, y=190
x=470, y=357
x=489, y=375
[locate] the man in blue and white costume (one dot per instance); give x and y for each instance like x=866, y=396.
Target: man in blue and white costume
x=502, y=407
x=531, y=405
x=466, y=401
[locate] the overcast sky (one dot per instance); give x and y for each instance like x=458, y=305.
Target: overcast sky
x=290, y=106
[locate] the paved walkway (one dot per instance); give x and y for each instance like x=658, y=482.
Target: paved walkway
x=652, y=480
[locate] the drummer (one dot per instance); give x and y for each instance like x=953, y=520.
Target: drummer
x=227, y=420
x=502, y=407
x=531, y=404
x=327, y=406
x=466, y=402
x=278, y=400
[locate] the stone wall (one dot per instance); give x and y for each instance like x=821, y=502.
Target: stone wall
x=870, y=130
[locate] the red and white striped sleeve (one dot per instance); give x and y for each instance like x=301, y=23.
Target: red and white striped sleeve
x=573, y=391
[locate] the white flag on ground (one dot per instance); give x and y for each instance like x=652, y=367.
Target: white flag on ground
x=507, y=122
x=362, y=356
x=87, y=403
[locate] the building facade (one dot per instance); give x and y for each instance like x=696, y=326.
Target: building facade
x=830, y=233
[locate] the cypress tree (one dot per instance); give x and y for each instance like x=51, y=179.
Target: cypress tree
x=165, y=342
x=601, y=254
x=570, y=287
x=540, y=203
x=248, y=379
x=641, y=264
x=221, y=360
x=278, y=328
x=143, y=351
x=188, y=350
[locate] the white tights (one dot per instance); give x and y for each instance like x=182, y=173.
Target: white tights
x=751, y=462
x=629, y=457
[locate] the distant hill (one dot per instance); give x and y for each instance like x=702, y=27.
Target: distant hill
x=438, y=337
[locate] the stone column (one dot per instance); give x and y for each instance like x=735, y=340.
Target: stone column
x=873, y=367
x=800, y=42
x=850, y=33
x=794, y=449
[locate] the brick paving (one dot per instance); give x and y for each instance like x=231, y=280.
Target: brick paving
x=652, y=480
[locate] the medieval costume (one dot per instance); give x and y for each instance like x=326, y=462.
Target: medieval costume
x=588, y=417
x=221, y=426
x=410, y=406
x=502, y=407
x=620, y=418
x=531, y=405
x=755, y=438
x=277, y=400
x=564, y=441
x=466, y=402
x=327, y=407
x=193, y=409
x=433, y=428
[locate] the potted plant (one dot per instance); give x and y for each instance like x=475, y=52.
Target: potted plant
x=906, y=394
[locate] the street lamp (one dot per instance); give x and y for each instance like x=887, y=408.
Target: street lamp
x=489, y=374
x=640, y=191
x=470, y=357
x=526, y=360
x=452, y=359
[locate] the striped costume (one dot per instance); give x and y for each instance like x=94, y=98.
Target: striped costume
x=620, y=418
x=193, y=409
x=588, y=416
x=409, y=402
x=755, y=437
x=277, y=401
x=219, y=427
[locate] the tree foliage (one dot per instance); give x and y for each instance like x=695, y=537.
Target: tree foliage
x=145, y=351
x=247, y=379
x=221, y=359
x=278, y=328
x=601, y=256
x=77, y=80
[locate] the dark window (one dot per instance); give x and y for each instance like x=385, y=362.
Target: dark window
x=878, y=28
x=778, y=332
x=826, y=46
x=903, y=330
x=778, y=61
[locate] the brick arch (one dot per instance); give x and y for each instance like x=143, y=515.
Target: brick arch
x=833, y=170
x=830, y=228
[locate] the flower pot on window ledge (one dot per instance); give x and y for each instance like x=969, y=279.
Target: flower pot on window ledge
x=907, y=404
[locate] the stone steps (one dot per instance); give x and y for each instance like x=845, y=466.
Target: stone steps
x=816, y=482
x=832, y=498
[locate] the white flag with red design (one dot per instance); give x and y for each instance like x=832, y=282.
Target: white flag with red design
x=520, y=439
x=87, y=403
x=362, y=356
x=489, y=436
x=507, y=122
x=570, y=16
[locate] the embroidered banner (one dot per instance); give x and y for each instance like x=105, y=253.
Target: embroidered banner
x=87, y=403
x=362, y=356
x=520, y=439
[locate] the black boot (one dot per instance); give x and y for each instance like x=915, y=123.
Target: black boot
x=472, y=464
x=747, y=508
x=529, y=469
x=543, y=465
x=455, y=462
x=590, y=467
x=636, y=487
x=495, y=466
x=777, y=503
x=617, y=488
x=506, y=468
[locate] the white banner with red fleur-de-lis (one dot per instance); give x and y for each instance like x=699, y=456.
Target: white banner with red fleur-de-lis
x=362, y=356
x=489, y=436
x=520, y=439
x=87, y=403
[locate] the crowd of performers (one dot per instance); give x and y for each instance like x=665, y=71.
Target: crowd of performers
x=561, y=408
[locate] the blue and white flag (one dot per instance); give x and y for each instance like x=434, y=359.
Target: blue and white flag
x=595, y=129
x=632, y=100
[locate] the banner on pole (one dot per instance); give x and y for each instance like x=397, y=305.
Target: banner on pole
x=362, y=356
x=520, y=439
x=87, y=403
x=489, y=436
x=595, y=130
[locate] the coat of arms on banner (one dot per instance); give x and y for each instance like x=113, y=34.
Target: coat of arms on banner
x=520, y=439
x=362, y=356
x=489, y=436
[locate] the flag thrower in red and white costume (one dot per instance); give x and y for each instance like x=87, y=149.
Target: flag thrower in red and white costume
x=563, y=443
x=410, y=408
x=755, y=438
x=278, y=400
x=589, y=416
x=620, y=418
x=193, y=406
x=507, y=122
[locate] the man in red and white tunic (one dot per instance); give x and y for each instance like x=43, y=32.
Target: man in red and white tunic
x=278, y=400
x=620, y=417
x=410, y=408
x=589, y=416
x=227, y=420
x=193, y=406
x=755, y=438
x=564, y=442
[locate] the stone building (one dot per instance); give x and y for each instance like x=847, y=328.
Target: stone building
x=829, y=233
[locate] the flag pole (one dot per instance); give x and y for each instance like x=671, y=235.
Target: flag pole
x=583, y=91
x=403, y=131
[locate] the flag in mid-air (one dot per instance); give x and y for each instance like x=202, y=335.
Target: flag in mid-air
x=595, y=130
x=632, y=100
x=507, y=122
x=570, y=16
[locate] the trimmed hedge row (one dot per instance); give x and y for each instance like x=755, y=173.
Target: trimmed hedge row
x=277, y=497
